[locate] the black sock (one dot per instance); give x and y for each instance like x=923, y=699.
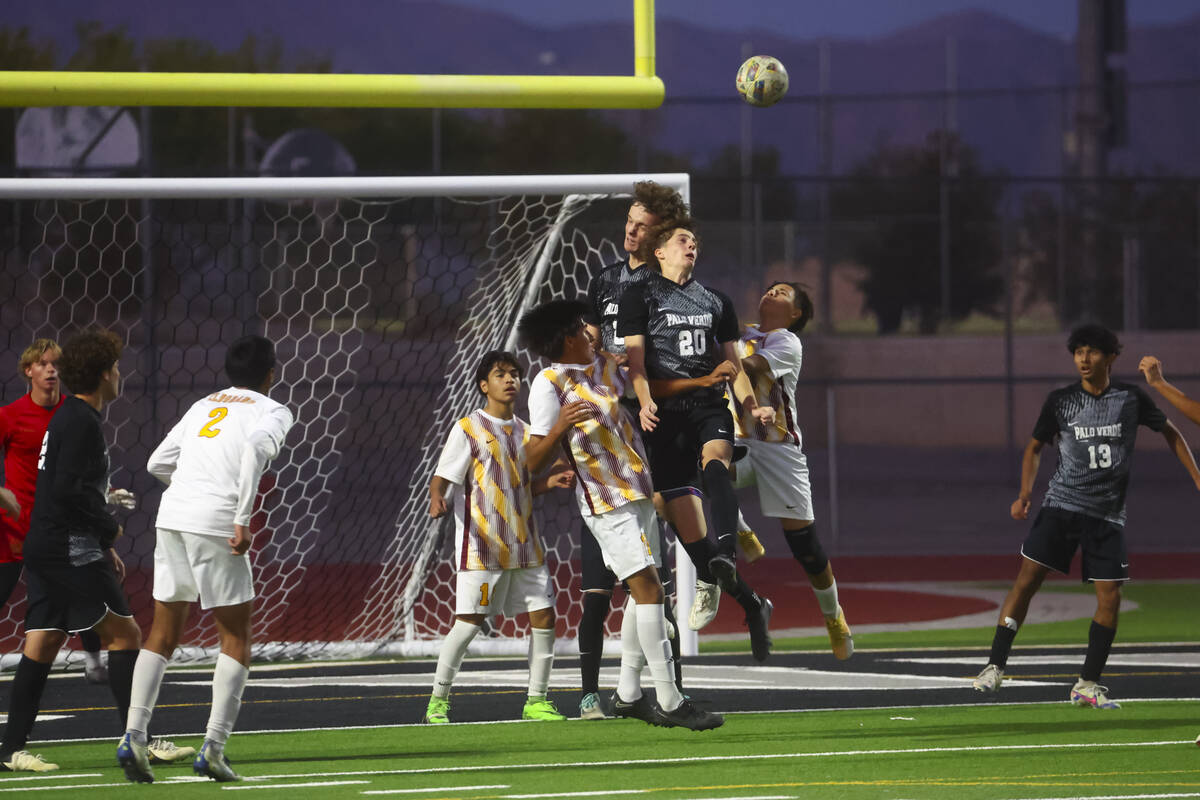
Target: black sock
x=89, y=640
x=591, y=639
x=1002, y=642
x=674, y=640
x=1100, y=639
x=24, y=703
x=723, y=505
x=745, y=596
x=120, y=679
x=700, y=552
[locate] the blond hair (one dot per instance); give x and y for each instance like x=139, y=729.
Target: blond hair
x=35, y=351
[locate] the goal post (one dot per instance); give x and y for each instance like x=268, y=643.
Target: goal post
x=381, y=295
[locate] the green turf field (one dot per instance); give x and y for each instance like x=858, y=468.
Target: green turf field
x=1166, y=612
x=959, y=753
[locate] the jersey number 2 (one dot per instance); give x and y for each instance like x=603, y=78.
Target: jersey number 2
x=1101, y=455
x=214, y=416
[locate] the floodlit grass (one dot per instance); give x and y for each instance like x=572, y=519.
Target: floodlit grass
x=959, y=753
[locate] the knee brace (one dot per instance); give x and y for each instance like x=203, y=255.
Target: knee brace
x=806, y=548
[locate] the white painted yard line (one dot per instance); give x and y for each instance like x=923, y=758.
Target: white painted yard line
x=292, y=785
x=438, y=789
x=1116, y=797
x=57, y=788
x=576, y=794
x=57, y=777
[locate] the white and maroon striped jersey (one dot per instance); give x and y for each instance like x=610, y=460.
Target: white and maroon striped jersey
x=605, y=450
x=783, y=353
x=493, y=497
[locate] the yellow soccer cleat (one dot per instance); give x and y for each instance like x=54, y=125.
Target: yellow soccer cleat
x=840, y=639
x=752, y=549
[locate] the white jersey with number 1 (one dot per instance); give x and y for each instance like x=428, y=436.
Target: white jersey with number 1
x=213, y=458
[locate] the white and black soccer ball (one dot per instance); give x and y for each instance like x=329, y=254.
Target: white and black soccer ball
x=762, y=80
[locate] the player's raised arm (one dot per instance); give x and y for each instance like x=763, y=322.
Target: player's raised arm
x=635, y=350
x=1151, y=367
x=1179, y=447
x=743, y=392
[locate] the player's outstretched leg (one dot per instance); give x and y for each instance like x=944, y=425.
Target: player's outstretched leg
x=806, y=549
x=450, y=658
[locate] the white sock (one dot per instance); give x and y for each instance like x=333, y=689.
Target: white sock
x=92, y=660
x=827, y=599
x=450, y=658
x=742, y=524
x=148, y=673
x=629, y=685
x=229, y=679
x=541, y=659
x=652, y=634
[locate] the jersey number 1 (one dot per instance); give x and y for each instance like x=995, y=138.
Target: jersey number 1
x=214, y=416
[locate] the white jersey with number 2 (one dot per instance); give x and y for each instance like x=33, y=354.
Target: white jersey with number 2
x=213, y=458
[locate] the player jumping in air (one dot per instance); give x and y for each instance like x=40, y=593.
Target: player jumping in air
x=1094, y=423
x=211, y=462
x=575, y=405
x=483, y=475
x=674, y=331
x=771, y=355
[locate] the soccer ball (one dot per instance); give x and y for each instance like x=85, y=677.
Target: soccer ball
x=762, y=80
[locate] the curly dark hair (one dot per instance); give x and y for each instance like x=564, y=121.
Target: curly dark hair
x=661, y=201
x=1094, y=336
x=86, y=356
x=544, y=330
x=801, y=301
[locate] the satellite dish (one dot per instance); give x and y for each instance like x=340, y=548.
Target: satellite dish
x=307, y=152
x=69, y=139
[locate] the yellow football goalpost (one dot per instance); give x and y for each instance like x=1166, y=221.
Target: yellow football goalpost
x=643, y=89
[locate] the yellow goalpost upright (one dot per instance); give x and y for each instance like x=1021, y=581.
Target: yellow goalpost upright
x=643, y=89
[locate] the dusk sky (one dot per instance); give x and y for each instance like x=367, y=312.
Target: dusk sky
x=839, y=18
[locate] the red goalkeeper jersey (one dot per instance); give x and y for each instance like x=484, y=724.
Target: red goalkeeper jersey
x=22, y=428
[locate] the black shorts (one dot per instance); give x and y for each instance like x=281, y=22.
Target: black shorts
x=676, y=442
x=10, y=573
x=72, y=599
x=1057, y=533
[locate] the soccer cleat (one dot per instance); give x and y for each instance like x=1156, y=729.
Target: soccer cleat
x=840, y=639
x=24, y=761
x=758, y=622
x=643, y=708
x=164, y=751
x=590, y=707
x=95, y=674
x=541, y=708
x=752, y=549
x=724, y=571
x=686, y=715
x=438, y=711
x=1090, y=693
x=211, y=763
x=989, y=679
x=704, y=605
x=134, y=758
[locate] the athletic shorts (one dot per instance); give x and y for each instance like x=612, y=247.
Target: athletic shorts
x=72, y=599
x=674, y=445
x=10, y=573
x=192, y=566
x=628, y=537
x=503, y=591
x=780, y=471
x=1057, y=533
x=594, y=572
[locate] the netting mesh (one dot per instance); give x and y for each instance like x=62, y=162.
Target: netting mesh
x=379, y=309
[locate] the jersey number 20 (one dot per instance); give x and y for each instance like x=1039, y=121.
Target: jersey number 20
x=692, y=343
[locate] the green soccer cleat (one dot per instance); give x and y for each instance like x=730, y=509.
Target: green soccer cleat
x=438, y=711
x=541, y=708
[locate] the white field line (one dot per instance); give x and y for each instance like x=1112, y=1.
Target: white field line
x=58, y=788
x=292, y=785
x=1116, y=796
x=57, y=777
x=438, y=789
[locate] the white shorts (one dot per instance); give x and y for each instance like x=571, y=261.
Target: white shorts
x=503, y=591
x=780, y=471
x=628, y=537
x=188, y=566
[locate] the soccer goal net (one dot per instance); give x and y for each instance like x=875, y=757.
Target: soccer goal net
x=381, y=295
